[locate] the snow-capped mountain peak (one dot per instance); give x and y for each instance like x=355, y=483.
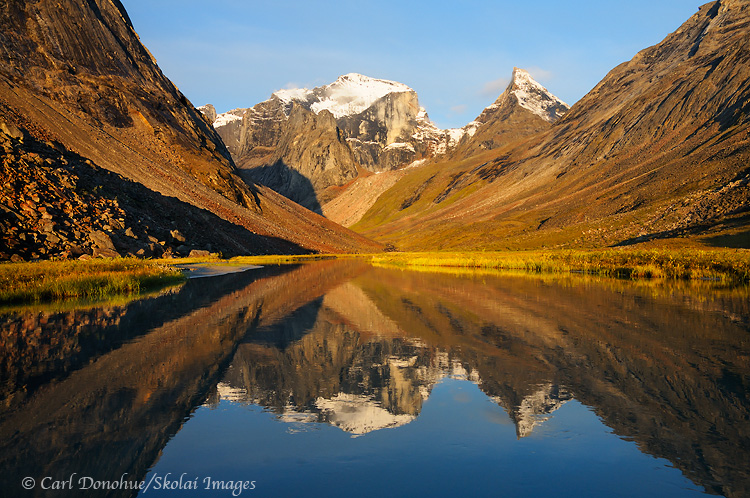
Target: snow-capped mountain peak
x=535, y=98
x=350, y=94
x=288, y=95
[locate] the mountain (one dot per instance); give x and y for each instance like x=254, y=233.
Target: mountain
x=103, y=152
x=312, y=146
x=342, y=360
x=523, y=109
x=658, y=149
x=361, y=124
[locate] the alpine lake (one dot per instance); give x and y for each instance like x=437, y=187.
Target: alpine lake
x=338, y=378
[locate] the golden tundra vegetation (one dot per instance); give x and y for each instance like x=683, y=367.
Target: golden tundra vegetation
x=100, y=279
x=91, y=280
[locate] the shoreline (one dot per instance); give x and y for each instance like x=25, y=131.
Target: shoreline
x=206, y=270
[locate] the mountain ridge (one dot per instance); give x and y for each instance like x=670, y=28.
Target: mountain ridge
x=77, y=85
x=658, y=149
x=380, y=121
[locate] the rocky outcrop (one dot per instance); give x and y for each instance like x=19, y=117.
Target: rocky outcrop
x=209, y=111
x=310, y=156
x=56, y=204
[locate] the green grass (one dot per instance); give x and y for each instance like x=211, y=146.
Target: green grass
x=95, y=280
x=720, y=265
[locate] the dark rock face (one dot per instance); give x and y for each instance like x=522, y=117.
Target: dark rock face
x=311, y=156
x=389, y=120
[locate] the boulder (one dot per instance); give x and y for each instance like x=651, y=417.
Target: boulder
x=105, y=253
x=102, y=242
x=177, y=235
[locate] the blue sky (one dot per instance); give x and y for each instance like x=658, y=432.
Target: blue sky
x=457, y=56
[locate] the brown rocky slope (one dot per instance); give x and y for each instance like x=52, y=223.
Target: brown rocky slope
x=658, y=149
x=75, y=75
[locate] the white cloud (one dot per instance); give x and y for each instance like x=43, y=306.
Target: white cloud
x=539, y=74
x=494, y=88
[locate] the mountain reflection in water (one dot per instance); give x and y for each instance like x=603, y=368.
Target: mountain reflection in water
x=102, y=392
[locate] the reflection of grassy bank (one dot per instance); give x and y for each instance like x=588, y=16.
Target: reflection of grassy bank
x=281, y=259
x=721, y=265
x=698, y=290
x=94, y=280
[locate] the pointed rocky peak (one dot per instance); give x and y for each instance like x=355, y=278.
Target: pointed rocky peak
x=523, y=109
x=533, y=97
x=523, y=91
x=536, y=407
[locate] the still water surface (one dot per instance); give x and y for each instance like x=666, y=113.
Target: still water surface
x=341, y=379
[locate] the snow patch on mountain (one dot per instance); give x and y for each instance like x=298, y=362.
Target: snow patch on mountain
x=225, y=118
x=400, y=145
x=350, y=94
x=535, y=98
x=359, y=414
x=291, y=94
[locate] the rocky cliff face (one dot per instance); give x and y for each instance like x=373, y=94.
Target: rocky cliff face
x=310, y=156
x=76, y=85
x=376, y=125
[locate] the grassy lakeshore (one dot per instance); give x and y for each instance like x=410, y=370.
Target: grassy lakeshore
x=101, y=279
x=95, y=279
x=727, y=265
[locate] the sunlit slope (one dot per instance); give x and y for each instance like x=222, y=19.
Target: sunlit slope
x=658, y=149
x=75, y=81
